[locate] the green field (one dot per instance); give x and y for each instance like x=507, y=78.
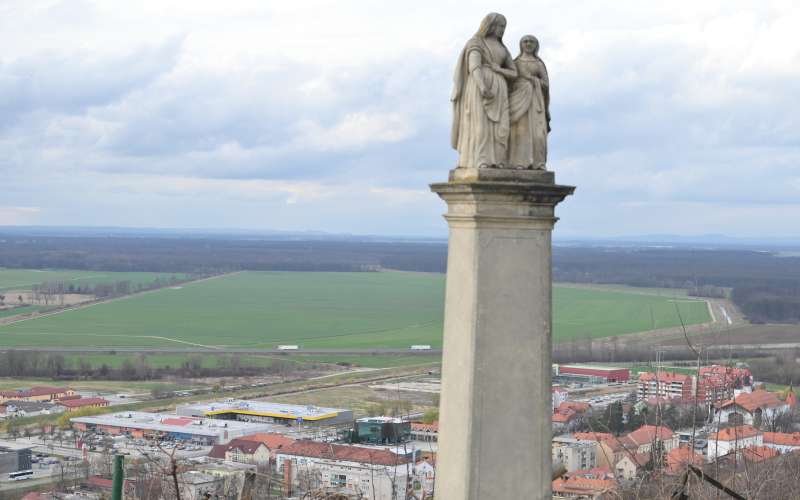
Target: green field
x=23, y=279
x=321, y=310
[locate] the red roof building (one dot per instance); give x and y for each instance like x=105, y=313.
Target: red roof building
x=759, y=453
x=345, y=453
x=679, y=458
x=607, y=373
x=75, y=404
x=582, y=487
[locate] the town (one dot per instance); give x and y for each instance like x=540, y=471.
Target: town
x=610, y=429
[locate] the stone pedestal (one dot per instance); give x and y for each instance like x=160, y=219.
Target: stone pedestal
x=495, y=409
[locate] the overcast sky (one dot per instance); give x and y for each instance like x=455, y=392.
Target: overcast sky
x=670, y=117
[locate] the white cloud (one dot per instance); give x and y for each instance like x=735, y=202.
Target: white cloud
x=314, y=107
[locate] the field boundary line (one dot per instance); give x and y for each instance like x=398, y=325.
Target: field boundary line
x=96, y=302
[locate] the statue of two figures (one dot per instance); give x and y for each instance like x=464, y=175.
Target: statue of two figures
x=501, y=113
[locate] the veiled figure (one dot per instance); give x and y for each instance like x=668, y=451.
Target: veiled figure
x=530, y=108
x=481, y=118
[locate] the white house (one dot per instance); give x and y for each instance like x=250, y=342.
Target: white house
x=784, y=442
x=751, y=408
x=733, y=439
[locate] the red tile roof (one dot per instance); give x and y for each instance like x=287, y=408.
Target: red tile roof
x=179, y=421
x=218, y=451
x=582, y=486
x=791, y=398
x=78, y=403
x=649, y=433
x=434, y=427
x=664, y=377
x=271, y=440
x=751, y=401
x=678, y=458
x=574, y=406
x=759, y=453
x=40, y=390
x=100, y=482
x=562, y=416
x=734, y=433
x=245, y=446
x=593, y=436
x=594, y=473
x=306, y=448
x=782, y=438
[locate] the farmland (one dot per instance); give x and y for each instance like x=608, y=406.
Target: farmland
x=24, y=279
x=321, y=310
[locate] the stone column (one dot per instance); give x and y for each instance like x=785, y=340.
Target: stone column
x=495, y=409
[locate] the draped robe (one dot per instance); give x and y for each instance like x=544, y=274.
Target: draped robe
x=480, y=126
x=530, y=117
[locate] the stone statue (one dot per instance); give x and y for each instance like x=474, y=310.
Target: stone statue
x=530, y=108
x=481, y=121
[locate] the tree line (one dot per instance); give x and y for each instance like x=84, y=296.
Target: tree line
x=18, y=364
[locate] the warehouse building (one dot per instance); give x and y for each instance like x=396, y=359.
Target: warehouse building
x=268, y=413
x=593, y=373
x=164, y=426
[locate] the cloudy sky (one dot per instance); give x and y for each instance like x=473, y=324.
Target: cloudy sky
x=670, y=117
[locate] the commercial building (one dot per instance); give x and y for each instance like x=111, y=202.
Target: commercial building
x=21, y=408
x=595, y=373
x=14, y=458
x=267, y=412
x=382, y=430
x=164, y=426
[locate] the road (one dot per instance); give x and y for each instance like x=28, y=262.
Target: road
x=225, y=350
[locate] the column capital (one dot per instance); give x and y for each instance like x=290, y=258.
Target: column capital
x=501, y=196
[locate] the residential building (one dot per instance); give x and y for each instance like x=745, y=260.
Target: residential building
x=646, y=436
x=611, y=451
x=582, y=487
x=259, y=449
x=733, y=439
x=782, y=441
x=751, y=408
x=559, y=396
x=679, y=458
x=665, y=385
x=565, y=416
x=715, y=383
x=425, y=432
x=574, y=454
x=758, y=453
x=631, y=465
x=379, y=473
